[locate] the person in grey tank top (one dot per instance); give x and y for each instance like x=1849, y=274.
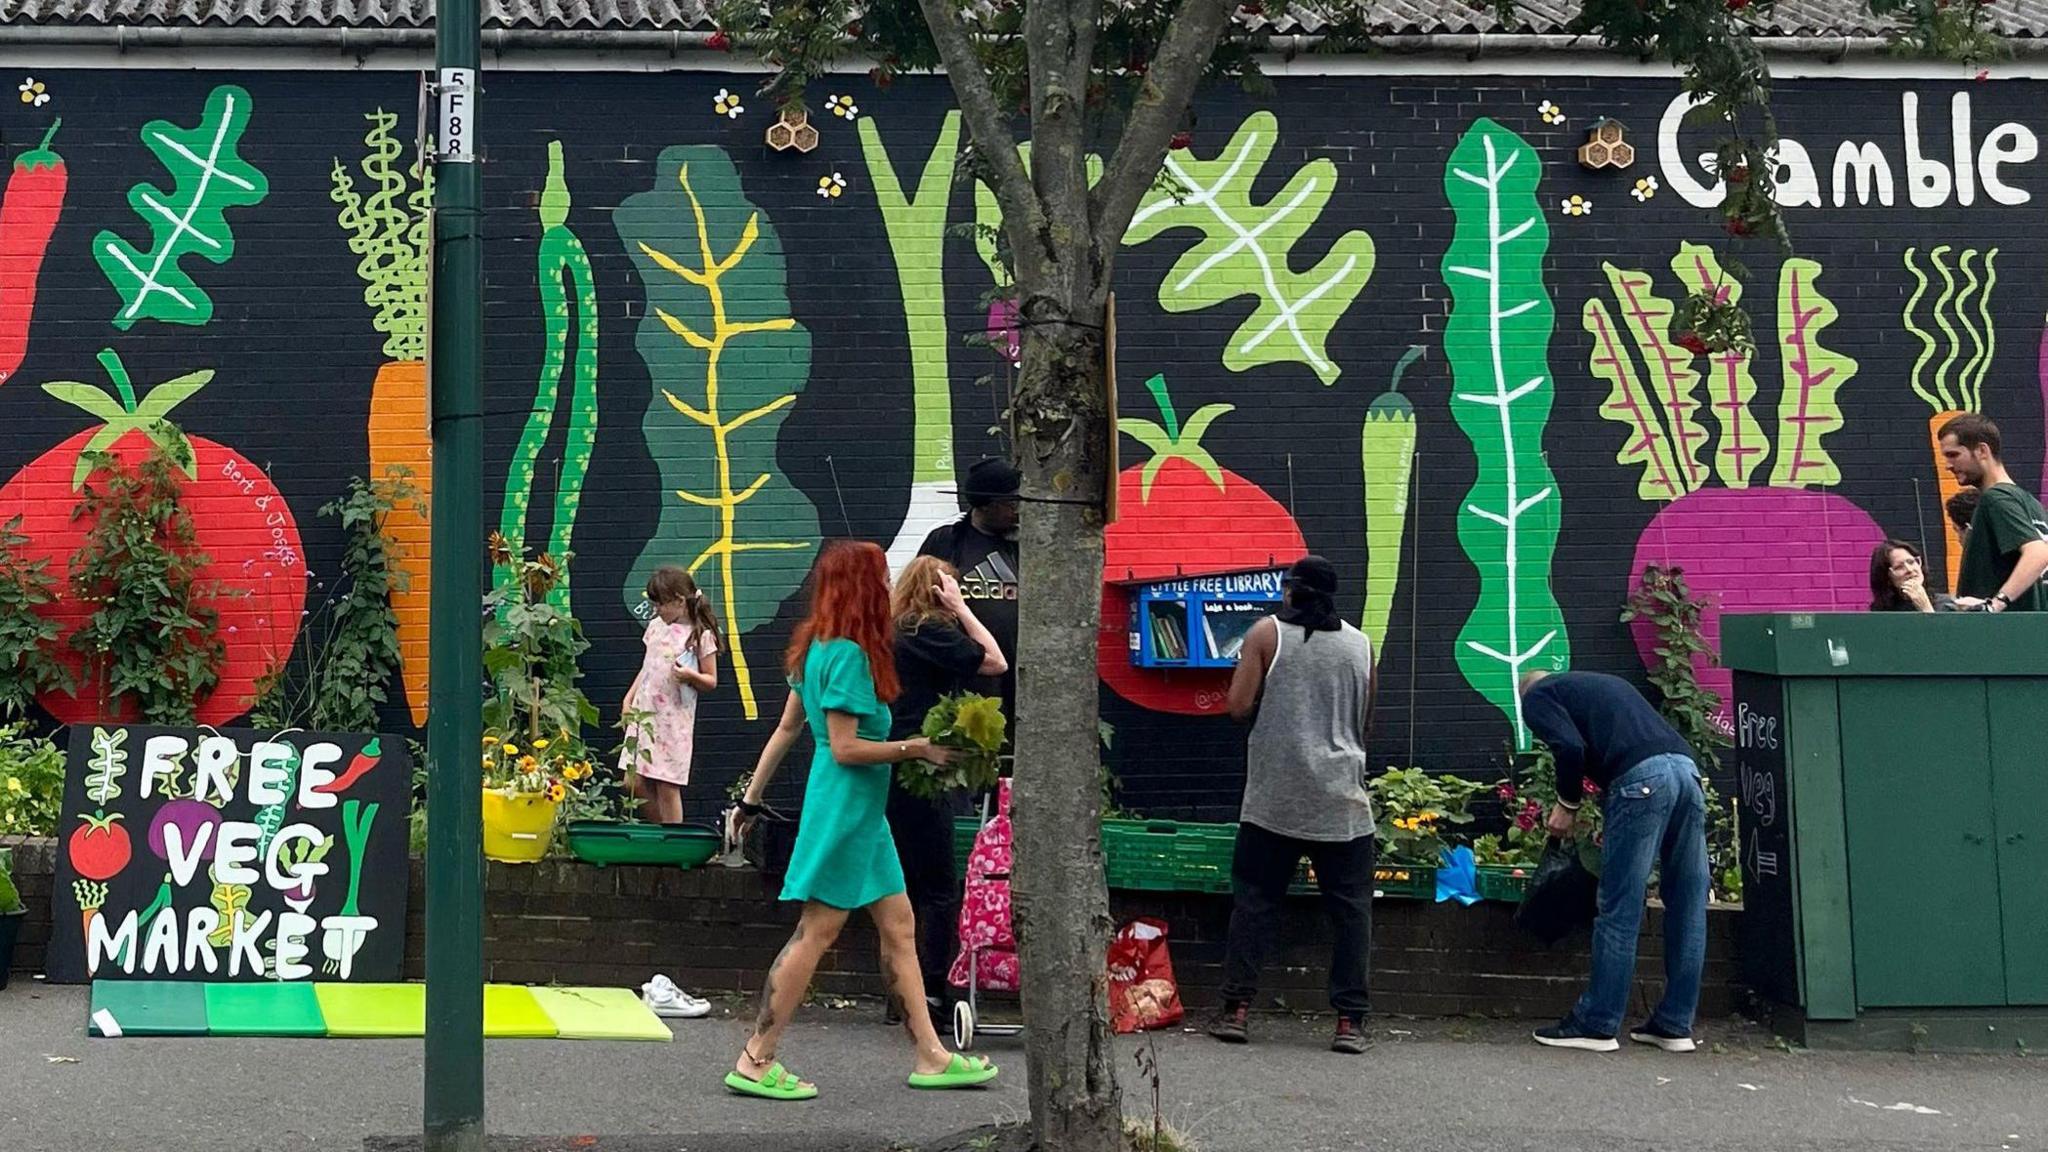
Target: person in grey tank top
x=1305, y=682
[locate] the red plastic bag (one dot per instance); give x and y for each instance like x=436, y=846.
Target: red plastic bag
x=1142, y=991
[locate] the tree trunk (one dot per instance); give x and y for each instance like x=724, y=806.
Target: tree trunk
x=1060, y=902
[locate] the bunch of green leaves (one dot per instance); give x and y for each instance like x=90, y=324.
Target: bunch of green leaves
x=338, y=677
x=10, y=897
x=971, y=726
x=31, y=783
x=1416, y=810
x=1724, y=846
x=1663, y=600
x=531, y=649
x=152, y=638
x=27, y=666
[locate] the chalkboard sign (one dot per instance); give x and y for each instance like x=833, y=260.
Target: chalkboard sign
x=227, y=855
x=1763, y=821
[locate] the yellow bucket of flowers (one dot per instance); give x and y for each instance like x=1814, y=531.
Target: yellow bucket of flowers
x=523, y=790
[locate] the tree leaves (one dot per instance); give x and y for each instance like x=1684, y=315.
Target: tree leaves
x=727, y=362
x=190, y=221
x=1246, y=246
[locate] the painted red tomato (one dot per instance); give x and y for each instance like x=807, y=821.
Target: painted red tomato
x=1181, y=514
x=99, y=847
x=243, y=526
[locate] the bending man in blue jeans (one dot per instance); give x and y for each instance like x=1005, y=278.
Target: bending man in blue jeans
x=1655, y=813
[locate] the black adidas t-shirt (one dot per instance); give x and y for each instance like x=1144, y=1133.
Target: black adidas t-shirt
x=988, y=582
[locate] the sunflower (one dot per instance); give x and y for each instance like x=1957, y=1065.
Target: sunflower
x=498, y=549
x=557, y=791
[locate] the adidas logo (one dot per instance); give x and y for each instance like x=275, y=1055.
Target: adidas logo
x=992, y=579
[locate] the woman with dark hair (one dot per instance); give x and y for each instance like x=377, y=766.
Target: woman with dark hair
x=842, y=675
x=1305, y=682
x=941, y=649
x=1898, y=580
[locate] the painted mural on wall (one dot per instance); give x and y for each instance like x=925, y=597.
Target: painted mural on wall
x=1344, y=330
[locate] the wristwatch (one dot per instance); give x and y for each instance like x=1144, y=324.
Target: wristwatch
x=2002, y=600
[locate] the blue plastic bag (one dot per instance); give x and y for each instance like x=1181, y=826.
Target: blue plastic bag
x=1457, y=877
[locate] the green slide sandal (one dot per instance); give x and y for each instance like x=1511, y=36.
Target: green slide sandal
x=962, y=1072
x=778, y=1083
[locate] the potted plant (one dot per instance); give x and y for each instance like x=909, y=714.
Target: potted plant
x=600, y=826
x=533, y=756
x=11, y=914
x=1416, y=811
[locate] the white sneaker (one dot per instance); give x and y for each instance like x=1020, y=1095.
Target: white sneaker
x=664, y=998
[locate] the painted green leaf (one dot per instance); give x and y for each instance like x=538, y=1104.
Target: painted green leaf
x=210, y=177
x=388, y=229
x=1667, y=367
x=727, y=360
x=1814, y=375
x=1245, y=250
x=1497, y=340
x=1631, y=406
x=1742, y=445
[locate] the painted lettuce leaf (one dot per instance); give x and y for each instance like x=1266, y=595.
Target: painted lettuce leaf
x=1671, y=377
x=1245, y=249
x=1497, y=340
x=189, y=221
x=389, y=230
x=1814, y=375
x=727, y=361
x=1631, y=406
x=1742, y=445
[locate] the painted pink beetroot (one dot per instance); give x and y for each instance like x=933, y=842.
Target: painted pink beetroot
x=1759, y=550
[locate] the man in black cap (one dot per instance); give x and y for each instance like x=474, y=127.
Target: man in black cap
x=982, y=547
x=1305, y=682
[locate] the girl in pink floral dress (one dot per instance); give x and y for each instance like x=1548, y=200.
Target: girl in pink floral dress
x=661, y=706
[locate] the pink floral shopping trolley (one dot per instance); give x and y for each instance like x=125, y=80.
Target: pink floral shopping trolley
x=988, y=943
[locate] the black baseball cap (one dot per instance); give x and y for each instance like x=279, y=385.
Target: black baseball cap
x=991, y=480
x=1315, y=574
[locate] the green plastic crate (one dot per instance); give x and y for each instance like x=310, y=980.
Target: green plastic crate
x=965, y=829
x=1168, y=856
x=1404, y=882
x=1505, y=883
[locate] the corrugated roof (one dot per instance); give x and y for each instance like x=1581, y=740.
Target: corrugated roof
x=1791, y=18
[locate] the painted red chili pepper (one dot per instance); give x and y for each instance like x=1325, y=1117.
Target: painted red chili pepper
x=28, y=215
x=364, y=761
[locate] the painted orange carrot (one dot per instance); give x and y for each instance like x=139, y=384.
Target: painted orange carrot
x=1949, y=487
x=388, y=229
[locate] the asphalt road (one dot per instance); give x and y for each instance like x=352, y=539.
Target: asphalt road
x=1429, y=1086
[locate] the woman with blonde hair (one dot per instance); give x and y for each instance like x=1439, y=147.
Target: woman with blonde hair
x=940, y=648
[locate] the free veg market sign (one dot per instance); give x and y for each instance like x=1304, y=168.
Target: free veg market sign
x=230, y=855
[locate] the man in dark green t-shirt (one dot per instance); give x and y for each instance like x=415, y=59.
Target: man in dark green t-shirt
x=2005, y=554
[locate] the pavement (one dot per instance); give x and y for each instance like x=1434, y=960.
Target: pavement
x=1426, y=1086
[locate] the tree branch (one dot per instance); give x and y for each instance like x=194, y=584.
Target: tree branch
x=1161, y=102
x=989, y=128
x=1059, y=42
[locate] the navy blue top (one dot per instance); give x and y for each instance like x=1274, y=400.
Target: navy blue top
x=1598, y=726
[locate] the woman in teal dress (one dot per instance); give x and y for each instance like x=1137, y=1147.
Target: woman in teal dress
x=842, y=675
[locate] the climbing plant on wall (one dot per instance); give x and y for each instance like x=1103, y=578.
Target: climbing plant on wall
x=561, y=255
x=1498, y=343
x=189, y=220
x=1784, y=546
x=1246, y=246
x=390, y=232
x=728, y=362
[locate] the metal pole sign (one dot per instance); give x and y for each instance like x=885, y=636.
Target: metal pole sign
x=456, y=142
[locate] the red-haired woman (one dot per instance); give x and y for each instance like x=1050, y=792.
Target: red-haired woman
x=842, y=674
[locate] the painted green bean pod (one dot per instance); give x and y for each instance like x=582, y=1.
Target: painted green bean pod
x=561, y=253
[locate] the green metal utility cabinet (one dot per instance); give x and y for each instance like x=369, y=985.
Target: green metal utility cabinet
x=1892, y=775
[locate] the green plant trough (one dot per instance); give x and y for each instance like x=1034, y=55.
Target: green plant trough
x=602, y=842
